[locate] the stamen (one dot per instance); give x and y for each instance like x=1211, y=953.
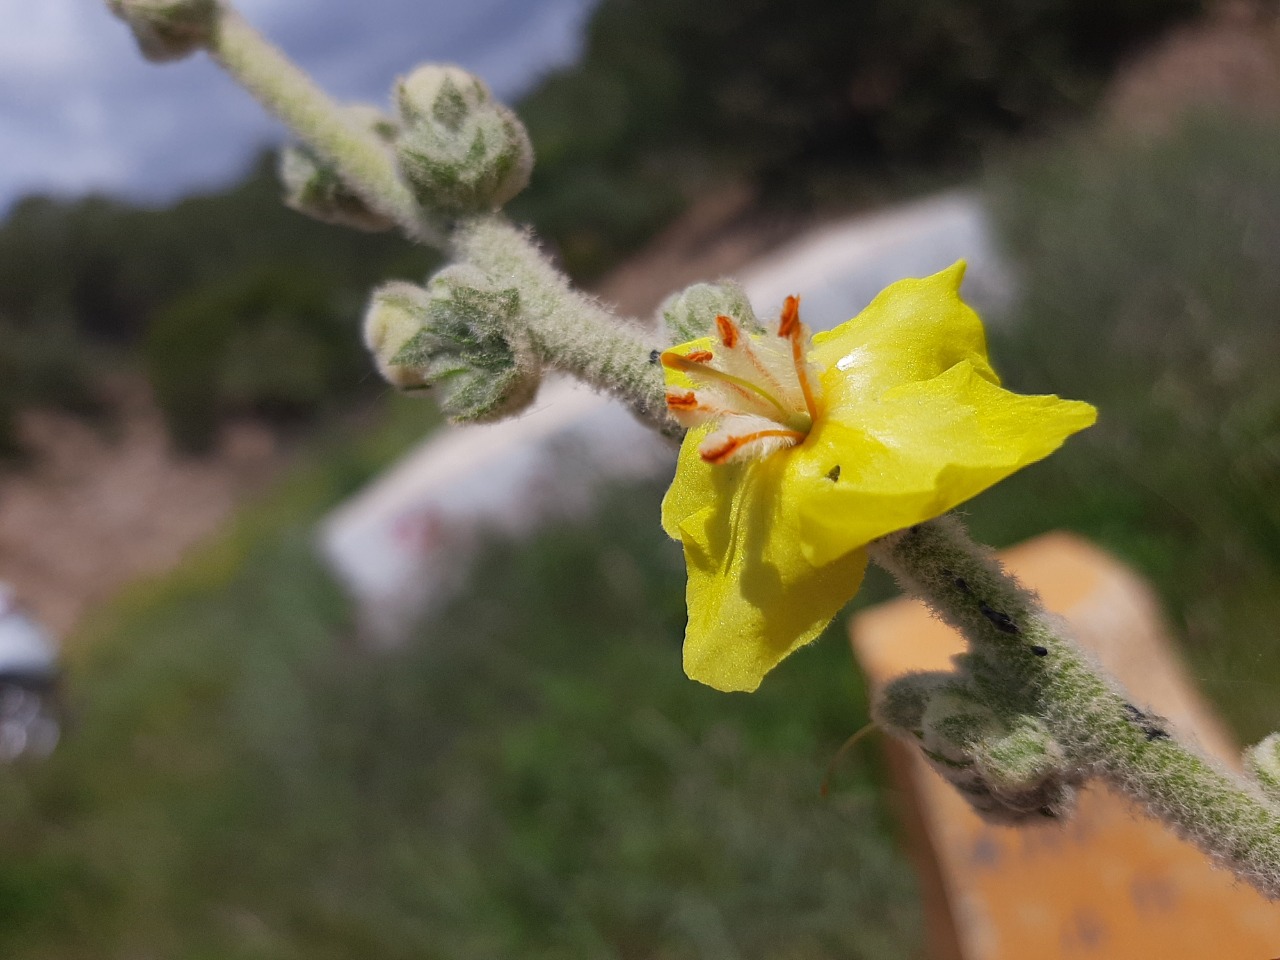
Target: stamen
x=728, y=331
x=700, y=356
x=789, y=326
x=732, y=445
x=790, y=319
x=676, y=361
x=682, y=401
x=747, y=350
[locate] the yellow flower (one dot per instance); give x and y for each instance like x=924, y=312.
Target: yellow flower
x=802, y=451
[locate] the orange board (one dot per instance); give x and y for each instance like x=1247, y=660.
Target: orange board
x=1109, y=883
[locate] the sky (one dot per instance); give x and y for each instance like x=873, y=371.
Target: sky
x=81, y=111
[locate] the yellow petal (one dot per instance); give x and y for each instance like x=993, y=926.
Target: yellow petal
x=697, y=484
x=916, y=452
x=914, y=330
x=753, y=597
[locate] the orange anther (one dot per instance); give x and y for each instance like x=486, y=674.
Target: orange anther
x=732, y=445
x=699, y=356
x=789, y=322
x=673, y=360
x=682, y=401
x=728, y=331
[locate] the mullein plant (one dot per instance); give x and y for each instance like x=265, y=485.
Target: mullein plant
x=801, y=457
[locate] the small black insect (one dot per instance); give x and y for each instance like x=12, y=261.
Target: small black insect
x=999, y=619
x=1151, y=725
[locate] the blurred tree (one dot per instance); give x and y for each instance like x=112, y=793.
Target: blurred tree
x=79, y=276
x=271, y=341
x=671, y=95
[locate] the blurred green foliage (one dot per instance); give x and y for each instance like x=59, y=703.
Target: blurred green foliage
x=672, y=97
x=83, y=283
x=104, y=267
x=272, y=342
x=533, y=777
x=48, y=367
x=1149, y=277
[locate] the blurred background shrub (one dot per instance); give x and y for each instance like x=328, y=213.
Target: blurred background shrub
x=672, y=97
x=181, y=293
x=48, y=366
x=1149, y=281
x=272, y=341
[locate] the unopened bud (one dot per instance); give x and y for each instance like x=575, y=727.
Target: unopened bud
x=167, y=29
x=901, y=706
x=690, y=313
x=461, y=151
x=1009, y=769
x=456, y=335
x=314, y=186
x=1020, y=761
x=954, y=722
x=396, y=314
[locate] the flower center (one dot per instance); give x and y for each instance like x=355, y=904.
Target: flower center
x=759, y=391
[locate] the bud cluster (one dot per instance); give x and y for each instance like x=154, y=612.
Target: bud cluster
x=461, y=151
x=314, y=186
x=455, y=335
x=167, y=29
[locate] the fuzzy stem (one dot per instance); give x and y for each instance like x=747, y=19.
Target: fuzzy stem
x=1087, y=713
x=569, y=331
x=283, y=89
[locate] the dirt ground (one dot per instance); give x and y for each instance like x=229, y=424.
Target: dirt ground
x=101, y=507
x=1230, y=60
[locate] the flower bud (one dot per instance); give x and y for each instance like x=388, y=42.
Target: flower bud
x=902, y=704
x=167, y=29
x=1262, y=762
x=1021, y=761
x=455, y=335
x=690, y=313
x=953, y=723
x=460, y=150
x=314, y=186
x=396, y=314
x=1008, y=770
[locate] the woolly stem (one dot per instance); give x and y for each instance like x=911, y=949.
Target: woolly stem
x=1045, y=673
x=367, y=166
x=568, y=330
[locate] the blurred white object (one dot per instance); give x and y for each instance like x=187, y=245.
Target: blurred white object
x=838, y=269
x=29, y=723
x=406, y=541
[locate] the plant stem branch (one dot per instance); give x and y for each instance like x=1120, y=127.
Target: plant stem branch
x=569, y=330
x=1088, y=713
x=367, y=166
